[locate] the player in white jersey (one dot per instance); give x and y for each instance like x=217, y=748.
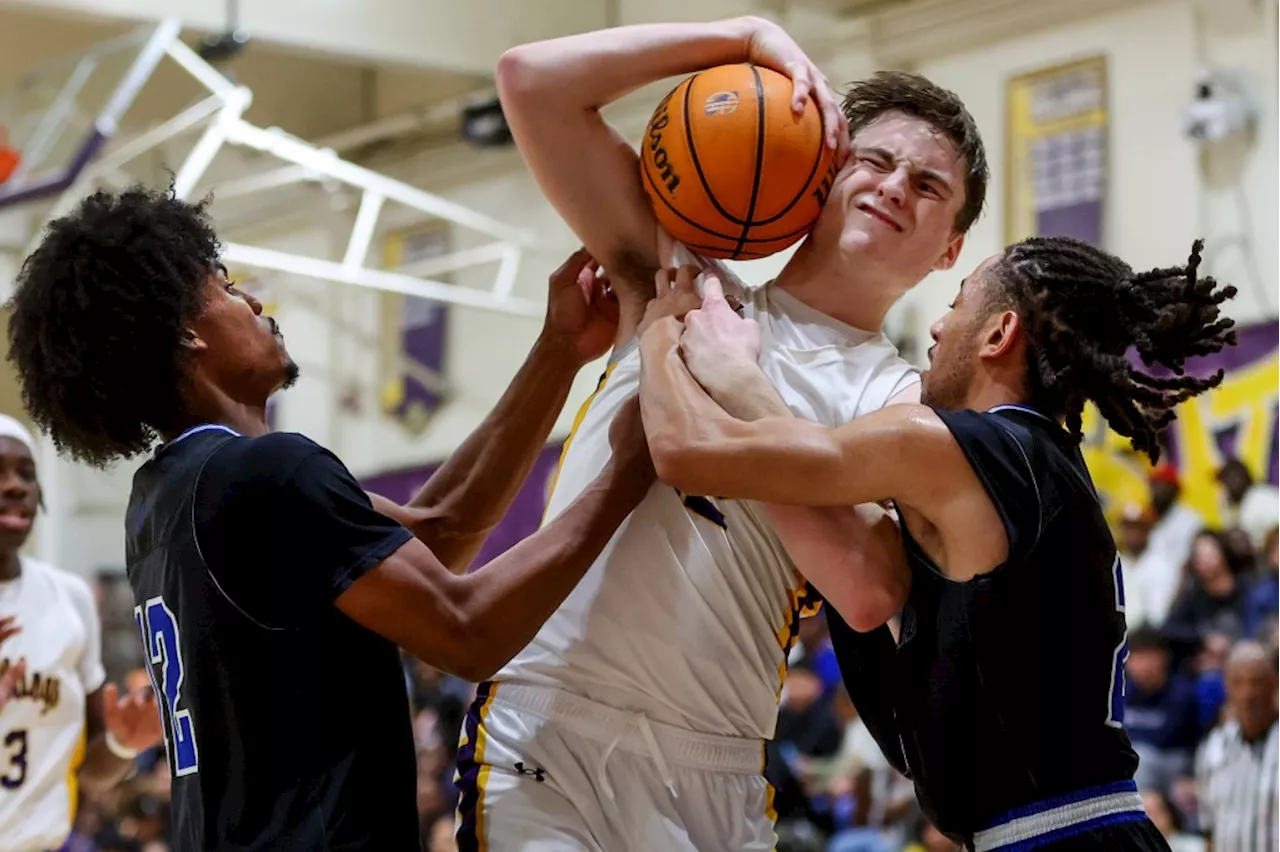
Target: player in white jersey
x=636, y=718
x=60, y=725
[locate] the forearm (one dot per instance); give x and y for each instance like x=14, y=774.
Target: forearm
x=699, y=448
x=748, y=395
x=677, y=411
x=853, y=555
x=505, y=603
x=590, y=70
x=460, y=504
x=102, y=769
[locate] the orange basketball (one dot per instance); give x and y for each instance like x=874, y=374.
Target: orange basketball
x=731, y=171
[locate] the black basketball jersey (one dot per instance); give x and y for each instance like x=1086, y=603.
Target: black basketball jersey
x=287, y=725
x=1005, y=690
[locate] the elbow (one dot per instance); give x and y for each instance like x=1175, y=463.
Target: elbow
x=516, y=77
x=476, y=669
x=678, y=462
x=872, y=607
x=473, y=651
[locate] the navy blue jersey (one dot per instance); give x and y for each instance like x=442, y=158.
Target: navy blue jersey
x=286, y=724
x=1006, y=690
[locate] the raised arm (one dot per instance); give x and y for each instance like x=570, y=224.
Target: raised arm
x=458, y=507
x=472, y=625
x=552, y=93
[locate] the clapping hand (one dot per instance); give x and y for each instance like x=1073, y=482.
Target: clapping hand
x=133, y=719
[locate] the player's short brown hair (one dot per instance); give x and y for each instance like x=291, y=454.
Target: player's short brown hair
x=890, y=91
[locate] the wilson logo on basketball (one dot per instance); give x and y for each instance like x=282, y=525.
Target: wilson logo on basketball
x=721, y=103
x=666, y=173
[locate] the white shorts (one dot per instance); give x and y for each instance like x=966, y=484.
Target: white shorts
x=540, y=770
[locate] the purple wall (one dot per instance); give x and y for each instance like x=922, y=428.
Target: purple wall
x=523, y=518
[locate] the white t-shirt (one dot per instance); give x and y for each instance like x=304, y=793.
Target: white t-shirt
x=688, y=613
x=42, y=727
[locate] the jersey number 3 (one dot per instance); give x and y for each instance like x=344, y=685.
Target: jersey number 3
x=160, y=638
x=1115, y=702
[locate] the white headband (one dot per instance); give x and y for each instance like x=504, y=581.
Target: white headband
x=10, y=428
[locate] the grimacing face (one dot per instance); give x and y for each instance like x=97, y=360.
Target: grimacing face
x=953, y=358
x=893, y=205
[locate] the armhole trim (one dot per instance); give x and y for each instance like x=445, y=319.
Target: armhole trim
x=1031, y=471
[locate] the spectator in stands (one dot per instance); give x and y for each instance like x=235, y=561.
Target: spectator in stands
x=807, y=732
x=1251, y=506
x=1167, y=818
x=1236, y=766
x=1151, y=577
x=1176, y=523
x=813, y=642
x=1213, y=599
x=1263, y=605
x=882, y=800
x=1161, y=714
x=1241, y=554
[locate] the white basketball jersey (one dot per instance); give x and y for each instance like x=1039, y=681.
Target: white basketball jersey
x=42, y=725
x=689, y=612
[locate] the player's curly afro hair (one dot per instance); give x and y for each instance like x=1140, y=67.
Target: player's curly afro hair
x=1087, y=310
x=100, y=315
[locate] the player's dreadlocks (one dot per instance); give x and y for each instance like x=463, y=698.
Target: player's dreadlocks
x=1086, y=310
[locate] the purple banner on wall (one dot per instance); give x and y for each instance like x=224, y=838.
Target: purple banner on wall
x=521, y=520
x=1069, y=195
x=422, y=330
x=424, y=324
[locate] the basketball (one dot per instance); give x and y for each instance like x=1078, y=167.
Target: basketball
x=732, y=172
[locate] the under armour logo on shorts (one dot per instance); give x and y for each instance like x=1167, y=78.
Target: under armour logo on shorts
x=538, y=774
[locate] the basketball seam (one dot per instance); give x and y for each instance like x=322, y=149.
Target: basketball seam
x=755, y=180
x=808, y=182
x=741, y=255
x=657, y=193
x=697, y=166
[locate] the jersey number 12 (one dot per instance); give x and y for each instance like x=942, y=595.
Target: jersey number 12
x=160, y=638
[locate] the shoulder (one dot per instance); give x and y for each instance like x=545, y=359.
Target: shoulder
x=249, y=481
x=267, y=461
x=273, y=451
x=1009, y=430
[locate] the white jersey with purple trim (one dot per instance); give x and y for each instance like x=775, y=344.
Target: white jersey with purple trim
x=42, y=725
x=689, y=612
